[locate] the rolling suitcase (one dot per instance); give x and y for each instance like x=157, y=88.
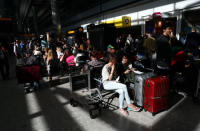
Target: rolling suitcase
x=156, y=94
x=139, y=88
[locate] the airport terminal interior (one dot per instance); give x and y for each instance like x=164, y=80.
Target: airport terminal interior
x=100, y=65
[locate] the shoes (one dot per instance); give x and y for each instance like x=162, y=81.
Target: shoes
x=135, y=109
x=124, y=112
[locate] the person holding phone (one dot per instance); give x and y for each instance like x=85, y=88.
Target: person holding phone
x=110, y=80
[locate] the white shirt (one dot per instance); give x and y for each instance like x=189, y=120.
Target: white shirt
x=59, y=54
x=105, y=74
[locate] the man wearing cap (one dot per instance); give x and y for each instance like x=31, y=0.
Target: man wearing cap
x=110, y=50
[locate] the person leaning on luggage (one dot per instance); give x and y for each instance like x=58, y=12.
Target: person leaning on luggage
x=110, y=82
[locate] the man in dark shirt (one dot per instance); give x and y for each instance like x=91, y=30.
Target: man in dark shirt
x=192, y=43
x=163, y=46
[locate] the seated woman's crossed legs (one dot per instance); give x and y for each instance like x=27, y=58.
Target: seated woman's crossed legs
x=123, y=93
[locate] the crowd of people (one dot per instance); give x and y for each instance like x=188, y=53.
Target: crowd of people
x=128, y=54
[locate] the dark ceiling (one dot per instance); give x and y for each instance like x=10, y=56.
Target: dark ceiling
x=41, y=11
x=32, y=16
x=38, y=15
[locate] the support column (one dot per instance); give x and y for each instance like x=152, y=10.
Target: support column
x=55, y=17
x=35, y=20
x=178, y=26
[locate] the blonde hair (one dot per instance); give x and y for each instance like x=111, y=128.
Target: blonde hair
x=51, y=55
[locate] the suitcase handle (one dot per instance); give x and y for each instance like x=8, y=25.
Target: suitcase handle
x=155, y=97
x=147, y=105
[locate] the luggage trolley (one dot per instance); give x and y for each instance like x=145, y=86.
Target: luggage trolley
x=79, y=82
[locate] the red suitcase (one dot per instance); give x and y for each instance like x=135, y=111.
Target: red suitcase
x=26, y=74
x=156, y=94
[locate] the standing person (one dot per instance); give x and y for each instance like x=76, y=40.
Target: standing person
x=31, y=45
x=149, y=45
x=59, y=52
x=6, y=62
x=37, y=51
x=192, y=43
x=18, y=53
x=163, y=45
x=44, y=43
x=51, y=63
x=129, y=39
x=110, y=82
x=2, y=63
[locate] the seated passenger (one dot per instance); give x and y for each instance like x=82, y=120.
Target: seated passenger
x=31, y=59
x=110, y=82
x=126, y=70
x=95, y=62
x=94, y=65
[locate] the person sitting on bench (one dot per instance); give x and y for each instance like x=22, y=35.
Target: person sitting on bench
x=110, y=82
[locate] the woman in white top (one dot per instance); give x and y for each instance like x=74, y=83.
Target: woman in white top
x=59, y=53
x=110, y=82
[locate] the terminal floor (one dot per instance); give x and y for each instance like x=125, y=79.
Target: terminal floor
x=49, y=110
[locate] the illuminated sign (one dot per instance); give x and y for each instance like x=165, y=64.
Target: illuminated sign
x=80, y=29
x=71, y=32
x=124, y=21
x=5, y=19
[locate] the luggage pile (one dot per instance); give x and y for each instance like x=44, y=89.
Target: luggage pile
x=151, y=92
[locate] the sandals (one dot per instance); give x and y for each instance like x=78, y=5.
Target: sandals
x=133, y=108
x=124, y=112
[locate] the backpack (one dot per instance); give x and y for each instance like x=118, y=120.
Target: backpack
x=130, y=77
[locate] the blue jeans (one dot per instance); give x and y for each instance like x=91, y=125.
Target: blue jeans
x=119, y=88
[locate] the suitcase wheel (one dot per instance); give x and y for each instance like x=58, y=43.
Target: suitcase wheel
x=94, y=113
x=73, y=103
x=27, y=90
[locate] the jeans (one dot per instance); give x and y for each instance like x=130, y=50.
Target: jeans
x=119, y=88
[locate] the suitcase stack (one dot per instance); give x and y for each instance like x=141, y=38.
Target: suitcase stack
x=139, y=88
x=156, y=94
